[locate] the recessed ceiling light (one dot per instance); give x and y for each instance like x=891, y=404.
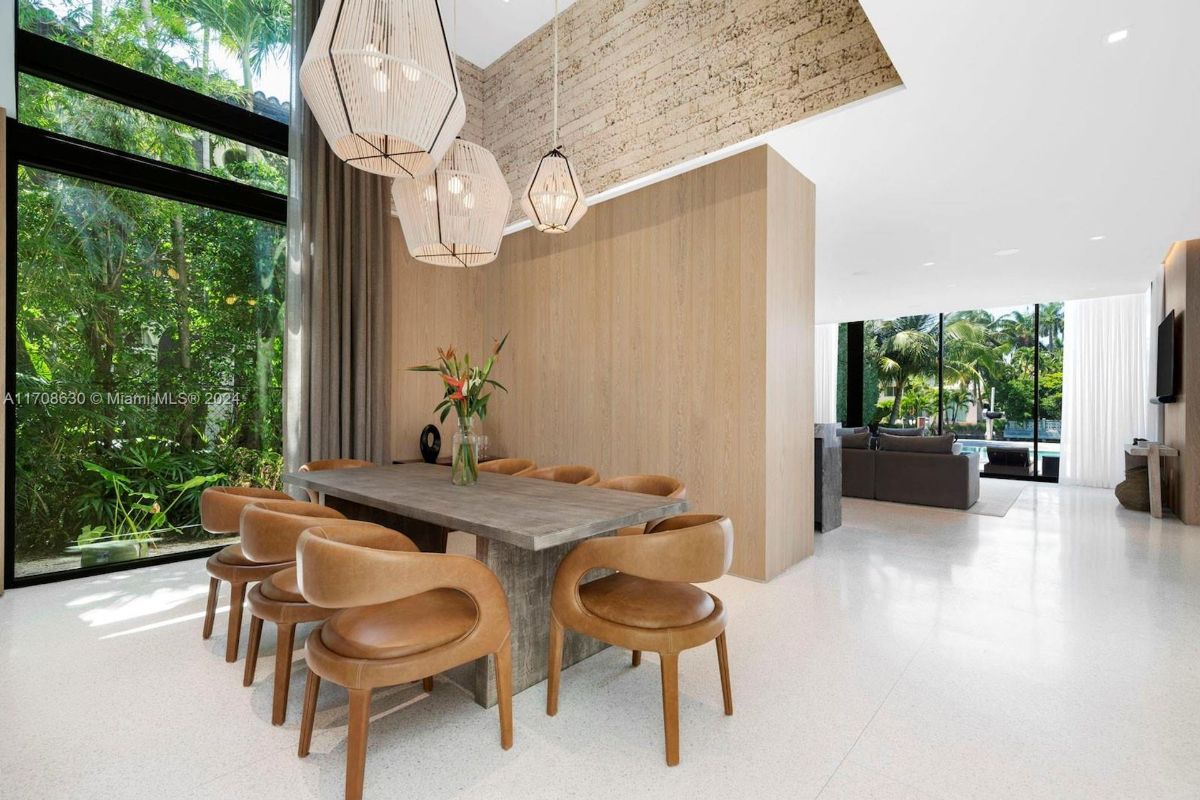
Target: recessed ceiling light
x=929, y=264
x=858, y=273
x=1010, y=252
x=1118, y=36
x=1096, y=238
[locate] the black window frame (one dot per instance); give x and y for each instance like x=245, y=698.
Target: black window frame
x=38, y=148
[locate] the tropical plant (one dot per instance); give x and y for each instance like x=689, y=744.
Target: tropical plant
x=131, y=514
x=908, y=346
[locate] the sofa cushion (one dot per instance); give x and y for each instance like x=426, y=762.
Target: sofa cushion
x=917, y=444
x=856, y=441
x=849, y=431
x=900, y=431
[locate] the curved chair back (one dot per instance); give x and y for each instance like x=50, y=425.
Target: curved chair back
x=566, y=473
x=221, y=506
x=509, y=466
x=659, y=485
x=270, y=528
x=701, y=546
x=323, y=464
x=348, y=566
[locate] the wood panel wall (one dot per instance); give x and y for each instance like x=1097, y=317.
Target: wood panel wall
x=1181, y=419
x=670, y=332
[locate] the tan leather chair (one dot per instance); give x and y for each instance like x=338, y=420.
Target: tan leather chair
x=649, y=603
x=405, y=616
x=270, y=530
x=509, y=466
x=220, y=513
x=658, y=485
x=320, y=465
x=567, y=473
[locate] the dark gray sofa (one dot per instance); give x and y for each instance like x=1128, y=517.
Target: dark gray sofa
x=896, y=474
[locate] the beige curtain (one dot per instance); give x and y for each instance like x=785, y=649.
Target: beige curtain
x=337, y=361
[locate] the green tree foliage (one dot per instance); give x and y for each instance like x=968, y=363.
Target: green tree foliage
x=149, y=332
x=981, y=352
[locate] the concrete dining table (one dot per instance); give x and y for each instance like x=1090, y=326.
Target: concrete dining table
x=523, y=528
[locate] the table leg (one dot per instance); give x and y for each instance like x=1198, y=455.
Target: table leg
x=426, y=536
x=527, y=577
x=1154, y=474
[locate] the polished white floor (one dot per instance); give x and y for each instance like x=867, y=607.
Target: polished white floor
x=1053, y=653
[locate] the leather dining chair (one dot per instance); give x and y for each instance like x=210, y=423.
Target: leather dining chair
x=220, y=513
x=270, y=530
x=403, y=616
x=659, y=485
x=323, y=464
x=649, y=603
x=509, y=466
x=567, y=473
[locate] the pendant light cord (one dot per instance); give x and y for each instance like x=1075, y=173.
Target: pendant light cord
x=555, y=74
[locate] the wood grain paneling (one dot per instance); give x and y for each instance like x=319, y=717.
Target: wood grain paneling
x=432, y=307
x=1181, y=419
x=791, y=287
x=669, y=332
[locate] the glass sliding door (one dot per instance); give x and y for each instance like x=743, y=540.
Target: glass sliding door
x=901, y=371
x=1049, y=388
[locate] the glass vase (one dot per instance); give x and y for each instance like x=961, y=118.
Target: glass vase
x=464, y=469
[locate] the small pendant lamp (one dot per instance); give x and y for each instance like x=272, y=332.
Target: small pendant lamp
x=380, y=79
x=553, y=201
x=455, y=216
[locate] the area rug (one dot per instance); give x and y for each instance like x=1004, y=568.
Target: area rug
x=996, y=497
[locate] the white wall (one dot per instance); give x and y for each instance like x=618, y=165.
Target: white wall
x=8, y=87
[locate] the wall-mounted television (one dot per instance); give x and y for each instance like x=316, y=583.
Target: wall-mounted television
x=1165, y=387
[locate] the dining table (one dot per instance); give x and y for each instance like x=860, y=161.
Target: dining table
x=523, y=528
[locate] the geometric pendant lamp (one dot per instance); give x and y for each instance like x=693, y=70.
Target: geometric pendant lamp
x=381, y=82
x=553, y=199
x=455, y=216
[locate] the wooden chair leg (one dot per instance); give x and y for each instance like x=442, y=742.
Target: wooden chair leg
x=284, y=642
x=637, y=658
x=356, y=742
x=256, y=626
x=723, y=662
x=210, y=612
x=237, y=599
x=311, y=689
x=503, y=662
x=427, y=684
x=670, y=694
x=555, y=666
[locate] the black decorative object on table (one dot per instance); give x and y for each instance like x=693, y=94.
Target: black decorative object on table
x=431, y=444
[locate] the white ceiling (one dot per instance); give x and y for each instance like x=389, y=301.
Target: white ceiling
x=1019, y=128
x=487, y=29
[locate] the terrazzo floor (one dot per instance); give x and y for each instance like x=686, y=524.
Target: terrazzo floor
x=921, y=653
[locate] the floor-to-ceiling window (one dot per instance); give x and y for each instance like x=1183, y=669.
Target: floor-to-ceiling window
x=993, y=377
x=149, y=173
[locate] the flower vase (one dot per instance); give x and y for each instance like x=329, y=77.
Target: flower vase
x=464, y=470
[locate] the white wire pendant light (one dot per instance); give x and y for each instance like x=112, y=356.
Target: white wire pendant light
x=455, y=216
x=553, y=200
x=380, y=78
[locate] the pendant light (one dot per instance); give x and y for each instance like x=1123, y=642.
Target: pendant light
x=553, y=199
x=380, y=79
x=455, y=216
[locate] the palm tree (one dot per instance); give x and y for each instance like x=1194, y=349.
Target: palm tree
x=1051, y=319
x=908, y=346
x=253, y=29
x=956, y=399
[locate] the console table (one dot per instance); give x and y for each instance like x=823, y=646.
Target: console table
x=1154, y=453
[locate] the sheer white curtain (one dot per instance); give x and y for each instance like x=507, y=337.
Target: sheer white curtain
x=1107, y=384
x=825, y=373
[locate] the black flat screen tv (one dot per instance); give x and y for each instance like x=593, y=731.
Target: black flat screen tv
x=1165, y=388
